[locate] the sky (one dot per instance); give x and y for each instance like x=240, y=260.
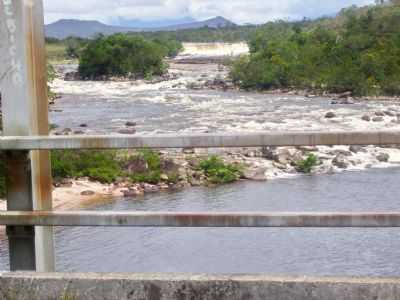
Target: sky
x=145, y=12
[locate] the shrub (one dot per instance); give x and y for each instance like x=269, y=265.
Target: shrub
x=121, y=55
x=153, y=172
x=306, y=165
x=102, y=166
x=218, y=172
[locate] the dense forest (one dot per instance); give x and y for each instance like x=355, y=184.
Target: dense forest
x=358, y=51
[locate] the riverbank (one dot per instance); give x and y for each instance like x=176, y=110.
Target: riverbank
x=256, y=164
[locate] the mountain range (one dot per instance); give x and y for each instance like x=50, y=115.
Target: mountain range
x=86, y=29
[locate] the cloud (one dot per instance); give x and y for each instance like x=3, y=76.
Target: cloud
x=240, y=11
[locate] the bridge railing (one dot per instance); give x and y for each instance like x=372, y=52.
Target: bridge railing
x=24, y=104
x=20, y=222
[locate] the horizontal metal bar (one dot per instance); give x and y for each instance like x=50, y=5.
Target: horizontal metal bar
x=201, y=140
x=206, y=219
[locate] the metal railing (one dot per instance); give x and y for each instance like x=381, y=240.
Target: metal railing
x=30, y=217
x=17, y=147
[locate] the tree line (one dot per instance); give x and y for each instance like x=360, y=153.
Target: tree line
x=358, y=51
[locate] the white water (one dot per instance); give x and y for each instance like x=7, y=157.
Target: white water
x=214, y=49
x=170, y=107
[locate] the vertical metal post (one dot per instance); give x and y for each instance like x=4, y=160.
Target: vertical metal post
x=23, y=85
x=21, y=239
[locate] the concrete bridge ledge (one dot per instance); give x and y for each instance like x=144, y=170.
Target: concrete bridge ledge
x=88, y=286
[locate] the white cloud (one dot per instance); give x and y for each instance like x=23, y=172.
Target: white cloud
x=240, y=11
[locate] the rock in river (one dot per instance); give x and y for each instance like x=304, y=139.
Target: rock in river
x=130, y=124
x=383, y=157
x=341, y=161
x=377, y=119
x=366, y=118
x=257, y=174
x=330, y=115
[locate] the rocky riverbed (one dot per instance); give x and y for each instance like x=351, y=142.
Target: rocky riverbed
x=200, y=98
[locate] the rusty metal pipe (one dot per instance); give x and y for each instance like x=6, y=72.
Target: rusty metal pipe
x=200, y=219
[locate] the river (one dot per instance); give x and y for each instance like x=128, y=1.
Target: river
x=335, y=252
x=172, y=107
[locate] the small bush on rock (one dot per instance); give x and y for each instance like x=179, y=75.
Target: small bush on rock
x=306, y=165
x=218, y=172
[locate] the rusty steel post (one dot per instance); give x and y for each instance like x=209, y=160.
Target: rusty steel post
x=23, y=84
x=21, y=239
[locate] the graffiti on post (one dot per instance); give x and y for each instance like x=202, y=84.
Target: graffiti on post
x=15, y=62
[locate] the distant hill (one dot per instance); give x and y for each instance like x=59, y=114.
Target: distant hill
x=217, y=22
x=86, y=29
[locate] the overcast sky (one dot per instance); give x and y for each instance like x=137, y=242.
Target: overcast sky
x=239, y=11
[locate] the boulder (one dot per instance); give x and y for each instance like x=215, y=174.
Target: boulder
x=390, y=113
x=268, y=152
x=168, y=165
x=366, y=118
x=196, y=182
x=287, y=156
x=67, y=131
x=383, y=157
x=164, y=177
x=356, y=149
x=330, y=115
x=379, y=114
x=150, y=188
x=88, y=193
x=72, y=76
x=257, y=174
x=83, y=125
x=130, y=124
x=341, y=161
x=377, y=119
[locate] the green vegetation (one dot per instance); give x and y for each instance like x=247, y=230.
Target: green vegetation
x=171, y=47
x=103, y=166
x=306, y=165
x=106, y=166
x=142, y=166
x=151, y=170
x=123, y=55
x=359, y=51
x=203, y=35
x=218, y=172
x=55, y=52
x=60, y=51
x=51, y=75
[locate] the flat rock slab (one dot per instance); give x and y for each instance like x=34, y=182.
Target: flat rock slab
x=90, y=286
